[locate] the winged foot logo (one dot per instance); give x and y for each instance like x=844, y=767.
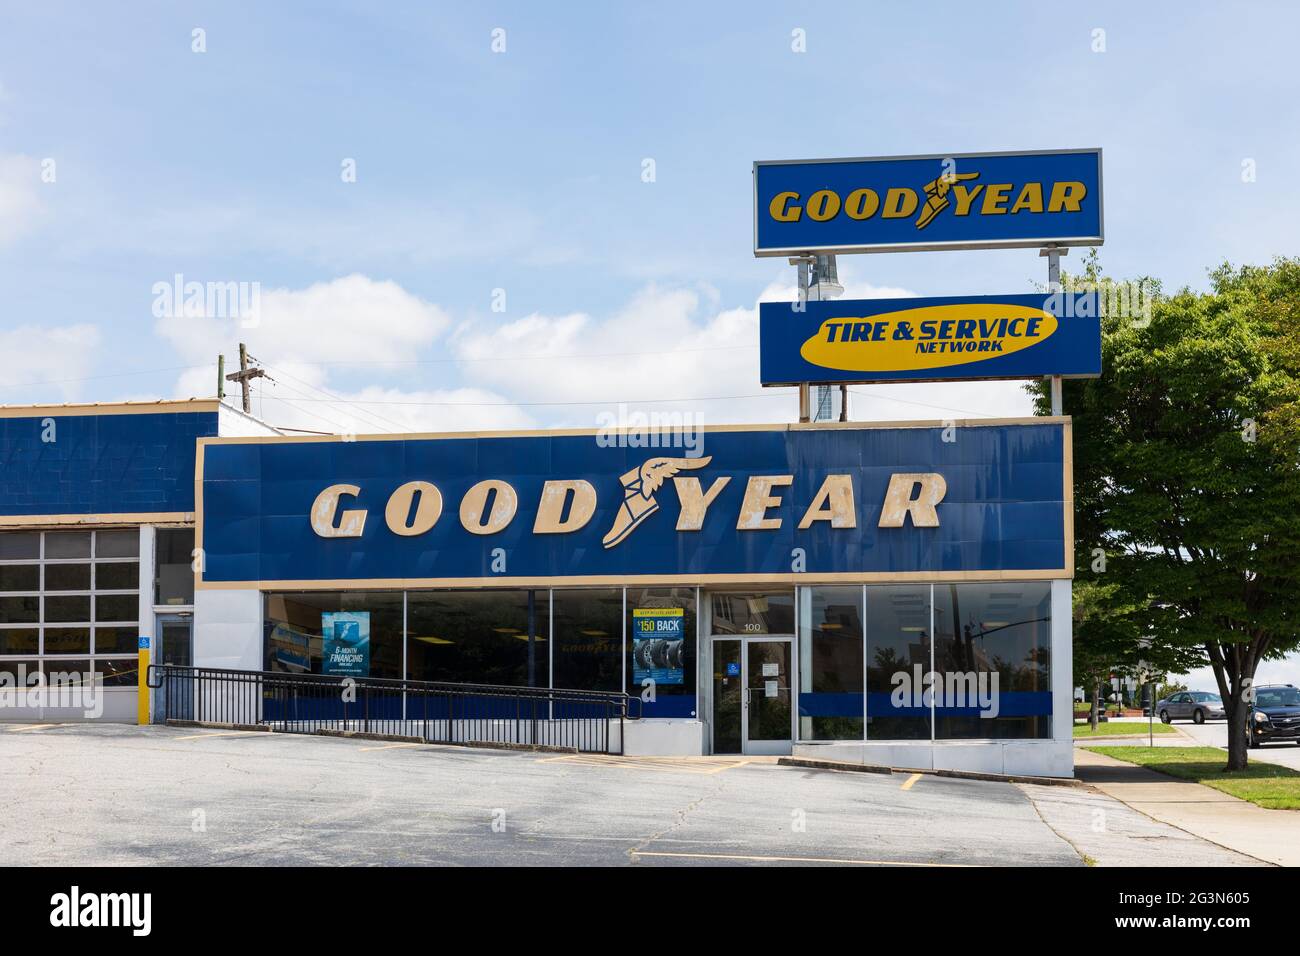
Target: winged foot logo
x=639, y=486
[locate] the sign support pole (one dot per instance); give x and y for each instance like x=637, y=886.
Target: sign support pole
x=805, y=390
x=1053, y=254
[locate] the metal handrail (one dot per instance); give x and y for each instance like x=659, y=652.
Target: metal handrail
x=460, y=713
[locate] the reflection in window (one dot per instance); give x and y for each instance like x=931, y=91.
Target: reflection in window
x=477, y=637
x=174, y=573
x=587, y=627
x=295, y=629
x=898, y=656
x=993, y=651
x=830, y=663
x=748, y=612
x=118, y=673
x=661, y=646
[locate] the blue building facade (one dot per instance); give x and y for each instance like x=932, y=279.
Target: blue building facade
x=894, y=593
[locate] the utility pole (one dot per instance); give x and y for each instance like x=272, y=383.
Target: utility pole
x=244, y=376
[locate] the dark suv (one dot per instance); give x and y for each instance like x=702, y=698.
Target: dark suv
x=1275, y=715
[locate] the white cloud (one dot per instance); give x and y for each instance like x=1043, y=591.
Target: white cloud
x=350, y=319
x=669, y=349
x=694, y=353
x=304, y=337
x=20, y=203
x=58, y=355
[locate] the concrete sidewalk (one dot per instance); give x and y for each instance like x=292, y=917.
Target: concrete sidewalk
x=1269, y=835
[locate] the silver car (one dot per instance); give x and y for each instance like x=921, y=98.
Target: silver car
x=1199, y=705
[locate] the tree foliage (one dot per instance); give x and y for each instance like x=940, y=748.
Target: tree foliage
x=1186, y=478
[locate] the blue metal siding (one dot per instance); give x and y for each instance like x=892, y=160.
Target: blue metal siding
x=100, y=464
x=1004, y=507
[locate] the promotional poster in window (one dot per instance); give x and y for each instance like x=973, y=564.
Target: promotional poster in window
x=347, y=643
x=657, y=644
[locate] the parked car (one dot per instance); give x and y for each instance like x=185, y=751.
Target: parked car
x=1199, y=705
x=1275, y=715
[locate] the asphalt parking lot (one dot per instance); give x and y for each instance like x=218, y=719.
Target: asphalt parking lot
x=122, y=795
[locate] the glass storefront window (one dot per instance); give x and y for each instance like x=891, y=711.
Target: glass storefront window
x=661, y=648
x=116, y=640
x=898, y=657
x=587, y=628
x=117, y=544
x=295, y=627
x=118, y=673
x=477, y=637
x=174, y=572
x=750, y=612
x=20, y=640
x=67, y=544
x=20, y=545
x=67, y=577
x=20, y=577
x=993, y=650
x=117, y=576
x=830, y=663
x=20, y=609
x=67, y=640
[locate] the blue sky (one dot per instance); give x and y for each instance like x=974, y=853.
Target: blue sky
x=521, y=171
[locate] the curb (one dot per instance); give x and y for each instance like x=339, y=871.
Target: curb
x=363, y=735
x=218, y=725
x=956, y=774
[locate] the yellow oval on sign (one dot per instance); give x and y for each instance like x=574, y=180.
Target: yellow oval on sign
x=934, y=336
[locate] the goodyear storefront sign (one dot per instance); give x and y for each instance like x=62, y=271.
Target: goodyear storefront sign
x=963, y=201
x=931, y=339
x=761, y=504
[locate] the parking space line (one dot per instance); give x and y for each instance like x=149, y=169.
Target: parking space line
x=391, y=746
x=229, y=733
x=25, y=727
x=907, y=784
x=791, y=859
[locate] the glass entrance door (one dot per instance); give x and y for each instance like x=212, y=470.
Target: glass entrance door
x=767, y=710
x=175, y=640
x=752, y=695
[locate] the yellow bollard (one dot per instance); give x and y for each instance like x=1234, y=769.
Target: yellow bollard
x=142, y=683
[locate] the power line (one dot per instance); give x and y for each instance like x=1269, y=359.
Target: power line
x=546, y=356
x=357, y=405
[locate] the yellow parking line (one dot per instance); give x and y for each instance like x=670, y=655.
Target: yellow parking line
x=907, y=785
x=789, y=859
x=24, y=727
x=230, y=733
x=391, y=746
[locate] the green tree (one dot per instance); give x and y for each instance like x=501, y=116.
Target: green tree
x=1187, y=483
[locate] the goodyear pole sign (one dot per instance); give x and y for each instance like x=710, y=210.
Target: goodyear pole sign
x=931, y=339
x=914, y=203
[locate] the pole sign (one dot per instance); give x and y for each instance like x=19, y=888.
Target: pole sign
x=916, y=203
x=930, y=339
